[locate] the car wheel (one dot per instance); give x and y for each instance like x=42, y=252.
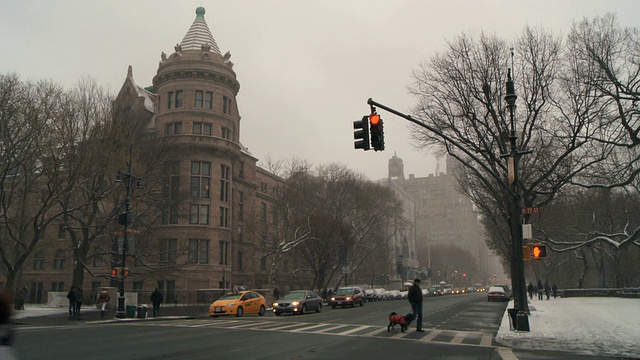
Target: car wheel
x=277, y=313
x=303, y=310
x=262, y=310
x=214, y=316
x=240, y=311
x=319, y=308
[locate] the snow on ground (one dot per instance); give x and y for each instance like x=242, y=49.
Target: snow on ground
x=581, y=325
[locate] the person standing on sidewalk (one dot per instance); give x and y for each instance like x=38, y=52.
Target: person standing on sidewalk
x=103, y=300
x=79, y=300
x=72, y=296
x=156, y=299
x=415, y=298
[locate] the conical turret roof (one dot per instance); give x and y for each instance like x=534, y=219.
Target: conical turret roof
x=199, y=34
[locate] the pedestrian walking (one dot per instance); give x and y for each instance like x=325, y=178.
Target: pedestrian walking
x=276, y=294
x=103, y=300
x=79, y=300
x=530, y=290
x=539, y=289
x=415, y=299
x=71, y=295
x=20, y=296
x=554, y=288
x=547, y=290
x=156, y=299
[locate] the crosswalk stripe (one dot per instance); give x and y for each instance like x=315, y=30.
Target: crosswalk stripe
x=351, y=331
x=283, y=327
x=458, y=338
x=321, y=331
x=398, y=335
x=374, y=332
x=486, y=339
x=431, y=335
x=311, y=327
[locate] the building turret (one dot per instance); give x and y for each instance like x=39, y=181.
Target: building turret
x=396, y=168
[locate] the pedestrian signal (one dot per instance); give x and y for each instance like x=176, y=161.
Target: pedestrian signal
x=539, y=251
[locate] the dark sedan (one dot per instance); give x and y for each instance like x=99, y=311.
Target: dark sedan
x=298, y=302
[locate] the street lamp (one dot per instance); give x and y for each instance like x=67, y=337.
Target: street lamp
x=517, y=262
x=128, y=181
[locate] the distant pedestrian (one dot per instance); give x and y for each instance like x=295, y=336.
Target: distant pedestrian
x=276, y=294
x=547, y=290
x=103, y=300
x=530, y=290
x=554, y=288
x=539, y=289
x=414, y=296
x=324, y=294
x=79, y=300
x=156, y=299
x=19, y=300
x=71, y=295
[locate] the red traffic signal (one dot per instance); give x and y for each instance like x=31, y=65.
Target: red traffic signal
x=377, y=132
x=127, y=272
x=115, y=271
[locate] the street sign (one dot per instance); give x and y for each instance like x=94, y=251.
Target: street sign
x=533, y=210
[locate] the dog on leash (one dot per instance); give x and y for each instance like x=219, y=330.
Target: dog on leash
x=403, y=321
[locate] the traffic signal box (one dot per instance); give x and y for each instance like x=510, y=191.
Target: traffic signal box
x=361, y=134
x=534, y=252
x=377, y=132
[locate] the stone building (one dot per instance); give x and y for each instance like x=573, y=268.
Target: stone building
x=207, y=240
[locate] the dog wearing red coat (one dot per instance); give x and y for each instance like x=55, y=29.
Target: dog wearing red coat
x=403, y=321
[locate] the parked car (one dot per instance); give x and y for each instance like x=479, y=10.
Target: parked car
x=497, y=293
x=347, y=296
x=238, y=304
x=434, y=291
x=379, y=294
x=370, y=295
x=507, y=289
x=298, y=302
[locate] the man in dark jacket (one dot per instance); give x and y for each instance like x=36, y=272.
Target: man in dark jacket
x=415, y=298
x=71, y=295
x=156, y=299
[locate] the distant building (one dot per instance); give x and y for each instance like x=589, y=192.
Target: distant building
x=443, y=215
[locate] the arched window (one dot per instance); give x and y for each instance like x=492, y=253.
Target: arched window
x=59, y=259
x=38, y=260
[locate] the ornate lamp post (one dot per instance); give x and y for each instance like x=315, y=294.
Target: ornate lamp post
x=128, y=180
x=517, y=261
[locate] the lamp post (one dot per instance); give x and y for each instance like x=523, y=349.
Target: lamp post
x=517, y=261
x=127, y=179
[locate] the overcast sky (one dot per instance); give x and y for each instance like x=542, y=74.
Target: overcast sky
x=306, y=67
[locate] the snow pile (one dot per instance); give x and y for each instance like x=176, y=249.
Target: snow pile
x=581, y=325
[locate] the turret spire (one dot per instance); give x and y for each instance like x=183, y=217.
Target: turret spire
x=199, y=35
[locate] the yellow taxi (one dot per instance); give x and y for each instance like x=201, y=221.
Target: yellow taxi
x=238, y=304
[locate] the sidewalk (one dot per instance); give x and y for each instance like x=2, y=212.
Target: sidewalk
x=583, y=325
x=39, y=315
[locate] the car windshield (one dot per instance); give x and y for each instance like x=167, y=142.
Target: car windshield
x=230, y=297
x=294, y=295
x=345, y=291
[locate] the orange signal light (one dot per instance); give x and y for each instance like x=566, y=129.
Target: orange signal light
x=374, y=119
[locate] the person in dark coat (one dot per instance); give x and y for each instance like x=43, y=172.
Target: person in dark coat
x=554, y=288
x=530, y=290
x=156, y=299
x=539, y=289
x=547, y=290
x=79, y=301
x=71, y=295
x=415, y=298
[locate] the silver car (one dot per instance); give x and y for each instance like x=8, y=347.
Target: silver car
x=298, y=302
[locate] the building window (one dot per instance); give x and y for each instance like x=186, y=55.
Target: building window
x=226, y=133
x=226, y=105
x=208, y=100
x=241, y=169
x=174, y=128
x=198, y=251
x=263, y=212
x=59, y=259
x=224, y=183
x=239, y=232
x=239, y=261
x=179, y=98
x=138, y=286
x=240, y=205
x=57, y=286
x=38, y=260
x=202, y=128
x=199, y=98
x=168, y=250
x=200, y=179
x=169, y=99
x=274, y=218
x=224, y=217
x=199, y=214
x=97, y=261
x=171, y=191
x=224, y=253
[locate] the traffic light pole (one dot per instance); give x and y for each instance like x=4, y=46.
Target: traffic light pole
x=121, y=299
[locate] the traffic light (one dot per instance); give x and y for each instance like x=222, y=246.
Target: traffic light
x=361, y=134
x=127, y=272
x=116, y=271
x=539, y=251
x=377, y=132
x=526, y=252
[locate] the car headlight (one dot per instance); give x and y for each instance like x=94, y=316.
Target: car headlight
x=348, y=298
x=231, y=304
x=295, y=303
x=333, y=298
x=275, y=304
